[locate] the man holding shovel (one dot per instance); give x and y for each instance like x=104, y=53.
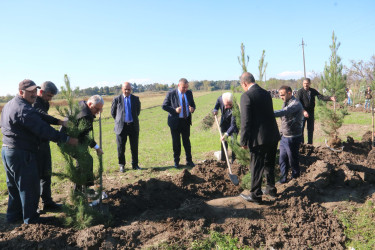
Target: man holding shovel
x=228, y=121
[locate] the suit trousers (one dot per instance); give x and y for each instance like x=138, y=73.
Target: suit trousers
x=310, y=128
x=182, y=130
x=43, y=159
x=262, y=161
x=133, y=133
x=289, y=157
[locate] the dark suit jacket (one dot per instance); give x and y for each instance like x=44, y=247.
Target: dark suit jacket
x=258, y=123
x=171, y=102
x=228, y=121
x=308, y=104
x=118, y=113
x=88, y=118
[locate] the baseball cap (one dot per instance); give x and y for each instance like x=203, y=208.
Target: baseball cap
x=27, y=85
x=49, y=87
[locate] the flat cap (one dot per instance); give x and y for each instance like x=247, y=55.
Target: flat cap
x=27, y=85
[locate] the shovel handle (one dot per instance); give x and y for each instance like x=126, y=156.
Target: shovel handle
x=222, y=142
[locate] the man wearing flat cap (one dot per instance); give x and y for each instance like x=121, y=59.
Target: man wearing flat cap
x=47, y=91
x=22, y=127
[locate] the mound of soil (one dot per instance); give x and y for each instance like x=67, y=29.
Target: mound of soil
x=178, y=209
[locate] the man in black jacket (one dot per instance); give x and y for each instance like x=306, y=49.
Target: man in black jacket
x=260, y=134
x=228, y=121
x=46, y=93
x=22, y=128
x=125, y=110
x=87, y=113
x=180, y=105
x=306, y=96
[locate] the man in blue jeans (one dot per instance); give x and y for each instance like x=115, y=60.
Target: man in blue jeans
x=291, y=129
x=23, y=127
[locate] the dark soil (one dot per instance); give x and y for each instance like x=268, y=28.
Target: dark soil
x=178, y=209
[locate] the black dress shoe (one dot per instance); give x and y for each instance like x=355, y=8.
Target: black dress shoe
x=52, y=206
x=136, y=168
x=270, y=193
x=190, y=164
x=122, y=169
x=249, y=198
x=176, y=165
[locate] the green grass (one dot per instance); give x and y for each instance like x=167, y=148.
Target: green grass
x=359, y=225
x=155, y=142
x=217, y=241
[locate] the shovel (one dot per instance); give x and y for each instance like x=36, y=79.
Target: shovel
x=232, y=177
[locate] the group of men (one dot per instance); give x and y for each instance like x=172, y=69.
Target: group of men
x=26, y=129
x=26, y=154
x=260, y=134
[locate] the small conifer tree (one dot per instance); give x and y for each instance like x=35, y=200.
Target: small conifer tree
x=262, y=67
x=79, y=214
x=242, y=155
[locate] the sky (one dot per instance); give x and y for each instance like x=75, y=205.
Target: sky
x=105, y=43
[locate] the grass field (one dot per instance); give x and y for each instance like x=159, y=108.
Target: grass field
x=155, y=143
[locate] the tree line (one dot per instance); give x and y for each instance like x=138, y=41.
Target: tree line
x=358, y=76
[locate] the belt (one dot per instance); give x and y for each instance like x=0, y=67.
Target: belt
x=128, y=123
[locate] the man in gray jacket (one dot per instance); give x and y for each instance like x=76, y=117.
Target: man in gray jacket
x=291, y=129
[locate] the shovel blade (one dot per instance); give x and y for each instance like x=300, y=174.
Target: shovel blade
x=234, y=179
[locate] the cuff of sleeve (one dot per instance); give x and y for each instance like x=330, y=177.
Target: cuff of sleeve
x=96, y=146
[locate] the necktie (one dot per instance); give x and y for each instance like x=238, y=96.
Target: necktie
x=184, y=106
x=128, y=110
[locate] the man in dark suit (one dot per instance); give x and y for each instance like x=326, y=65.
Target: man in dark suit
x=228, y=121
x=306, y=96
x=180, y=105
x=125, y=110
x=260, y=134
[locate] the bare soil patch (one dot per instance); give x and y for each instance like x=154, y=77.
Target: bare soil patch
x=178, y=209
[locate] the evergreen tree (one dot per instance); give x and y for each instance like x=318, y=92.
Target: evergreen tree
x=333, y=81
x=79, y=214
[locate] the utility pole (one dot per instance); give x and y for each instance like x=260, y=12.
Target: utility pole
x=303, y=53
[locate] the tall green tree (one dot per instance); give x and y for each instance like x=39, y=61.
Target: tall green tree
x=242, y=59
x=333, y=81
x=262, y=67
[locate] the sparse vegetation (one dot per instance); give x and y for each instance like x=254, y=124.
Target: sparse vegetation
x=359, y=225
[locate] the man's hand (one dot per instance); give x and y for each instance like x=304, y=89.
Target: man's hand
x=214, y=112
x=73, y=141
x=245, y=147
x=191, y=109
x=99, y=151
x=305, y=114
x=224, y=137
x=333, y=98
x=63, y=123
x=178, y=110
